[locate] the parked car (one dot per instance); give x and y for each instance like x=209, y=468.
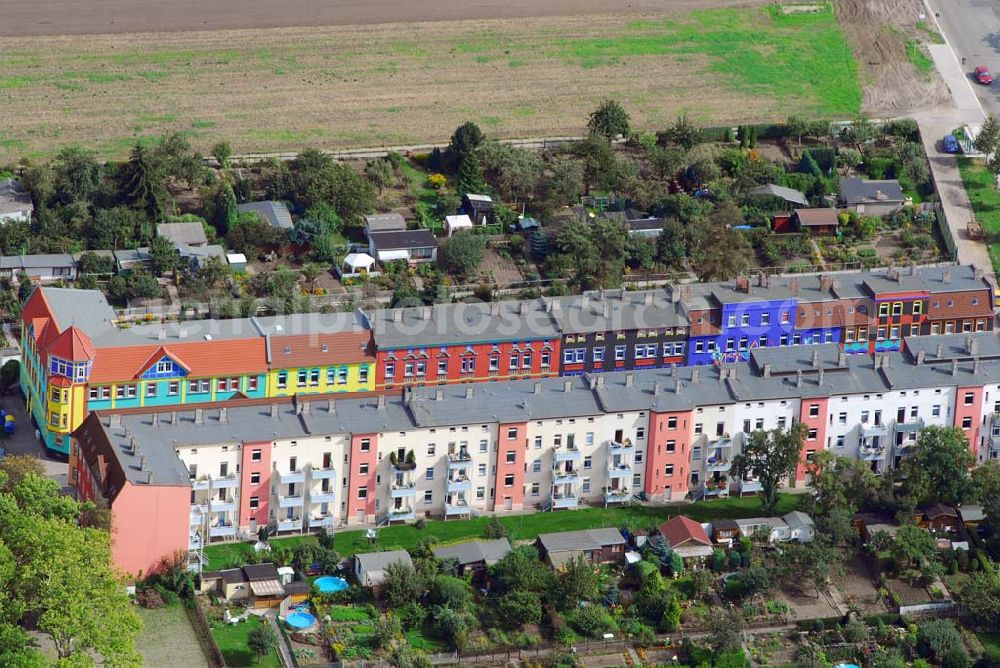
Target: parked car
x=983, y=75
x=950, y=144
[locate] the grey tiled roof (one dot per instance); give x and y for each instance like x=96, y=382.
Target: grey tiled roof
x=385, y=222
x=948, y=347
x=275, y=214
x=617, y=310
x=587, y=539
x=60, y=260
x=859, y=191
x=404, y=239
x=377, y=561
x=489, y=551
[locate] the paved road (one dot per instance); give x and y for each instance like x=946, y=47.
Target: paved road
x=23, y=442
x=972, y=28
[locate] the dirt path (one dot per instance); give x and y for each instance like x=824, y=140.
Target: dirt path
x=75, y=17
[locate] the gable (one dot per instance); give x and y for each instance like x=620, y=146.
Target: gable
x=164, y=367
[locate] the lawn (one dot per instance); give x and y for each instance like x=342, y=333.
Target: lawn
x=232, y=640
x=522, y=527
x=344, y=86
x=985, y=199
x=168, y=640
x=991, y=647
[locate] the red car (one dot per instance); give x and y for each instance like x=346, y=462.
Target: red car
x=983, y=75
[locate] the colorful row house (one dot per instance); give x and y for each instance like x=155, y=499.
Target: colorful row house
x=314, y=463
x=78, y=357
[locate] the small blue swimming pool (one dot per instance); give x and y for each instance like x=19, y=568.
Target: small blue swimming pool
x=329, y=584
x=300, y=620
x=847, y=665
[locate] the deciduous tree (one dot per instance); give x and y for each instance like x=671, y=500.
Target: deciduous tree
x=938, y=469
x=609, y=120
x=770, y=456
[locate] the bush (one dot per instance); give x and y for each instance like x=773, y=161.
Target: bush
x=592, y=621
x=149, y=598
x=495, y=529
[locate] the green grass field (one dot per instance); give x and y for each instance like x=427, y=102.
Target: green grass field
x=232, y=641
x=985, y=199
x=285, y=89
x=522, y=527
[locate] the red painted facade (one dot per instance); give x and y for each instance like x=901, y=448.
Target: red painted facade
x=814, y=416
x=249, y=465
x=511, y=445
x=467, y=363
x=968, y=413
x=667, y=455
x=364, y=457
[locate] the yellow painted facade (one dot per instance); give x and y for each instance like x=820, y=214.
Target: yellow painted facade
x=66, y=407
x=321, y=379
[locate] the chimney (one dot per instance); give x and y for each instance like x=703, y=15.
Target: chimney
x=893, y=275
x=793, y=285
x=584, y=301
x=305, y=408
x=921, y=356
x=173, y=417
x=522, y=307
x=975, y=367
x=115, y=420
x=199, y=416
x=331, y=407
x=597, y=382
x=380, y=403
x=469, y=391
x=946, y=276
x=825, y=283
x=673, y=369
x=972, y=346
x=495, y=308
x=656, y=388
x=815, y=359
x=567, y=385
x=732, y=372
x=607, y=309
x=819, y=375
x=695, y=375
x=954, y=367
x=223, y=415
x=181, y=333
x=675, y=295
x=133, y=446
x=156, y=419
x=743, y=284
x=397, y=315
x=554, y=306
x=647, y=299
x=939, y=351
x=142, y=463
x=841, y=359
x=274, y=410
x=629, y=379
x=766, y=371
x=425, y=313
x=977, y=273
x=798, y=378
x=678, y=386
x=537, y=388
x=162, y=334
x=439, y=394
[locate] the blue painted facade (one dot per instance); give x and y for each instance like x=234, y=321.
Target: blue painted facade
x=761, y=324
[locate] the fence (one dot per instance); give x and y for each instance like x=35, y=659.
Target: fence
x=943, y=231
x=204, y=632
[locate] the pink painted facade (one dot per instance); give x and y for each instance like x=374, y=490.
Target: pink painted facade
x=364, y=462
x=968, y=413
x=255, y=464
x=814, y=415
x=667, y=455
x=512, y=442
x=148, y=523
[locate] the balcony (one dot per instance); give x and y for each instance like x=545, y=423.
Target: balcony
x=717, y=462
x=617, y=496
x=323, y=474
x=715, y=489
x=401, y=514
x=872, y=453
x=290, y=524
x=994, y=440
x=223, y=506
x=198, y=513
x=293, y=501
x=222, y=531
x=750, y=486
x=459, y=484
x=565, y=501
x=199, y=485
x=564, y=477
x=226, y=482
x=323, y=522
x=319, y=496
x=459, y=507
x=915, y=424
x=292, y=476
x=462, y=460
x=619, y=471
x=399, y=490
x=564, y=454
x=194, y=542
x=874, y=430
x=621, y=446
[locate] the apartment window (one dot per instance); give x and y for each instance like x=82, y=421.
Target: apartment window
x=783, y=340
x=671, y=446
x=785, y=317
x=698, y=428
x=668, y=470
x=545, y=359
x=303, y=378
x=731, y=321
x=936, y=410
x=428, y=497
x=407, y=369
x=173, y=389
x=914, y=330
x=765, y=318
x=164, y=366
x=362, y=374
x=894, y=332
x=390, y=370
x=745, y=319
x=796, y=339
x=363, y=468
x=759, y=424
x=812, y=434
x=256, y=455
x=746, y=426
x=534, y=489
x=672, y=422
x=883, y=310
x=366, y=444
x=969, y=398
x=842, y=418
x=585, y=487
x=598, y=354
x=511, y=433
x=640, y=433
x=151, y=389
x=255, y=478
x=840, y=441
x=283, y=378
x=588, y=462
x=481, y=470
x=93, y=393
x=363, y=493
x=967, y=423
x=619, y=353
x=813, y=410
x=864, y=417
x=254, y=502
x=536, y=465
x=511, y=457
x=699, y=346
x=781, y=422
x=431, y=449
x=897, y=308
x=918, y=307
x=508, y=480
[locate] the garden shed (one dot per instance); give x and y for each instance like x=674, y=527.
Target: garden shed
x=453, y=224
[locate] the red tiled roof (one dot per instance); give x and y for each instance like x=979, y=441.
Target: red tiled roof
x=202, y=358
x=308, y=349
x=72, y=345
x=159, y=354
x=679, y=530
